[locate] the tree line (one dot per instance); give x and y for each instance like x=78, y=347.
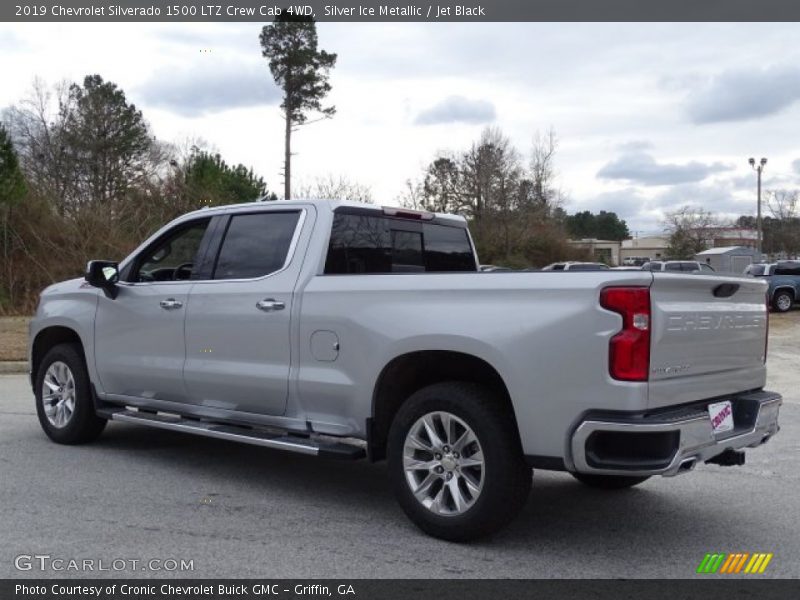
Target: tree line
x=83, y=176
x=512, y=201
x=692, y=229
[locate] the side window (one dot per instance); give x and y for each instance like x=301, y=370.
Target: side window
x=172, y=257
x=673, y=267
x=788, y=269
x=255, y=244
x=557, y=268
x=705, y=267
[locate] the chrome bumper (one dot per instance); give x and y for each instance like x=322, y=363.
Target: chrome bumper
x=755, y=421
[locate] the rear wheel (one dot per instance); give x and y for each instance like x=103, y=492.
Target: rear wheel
x=64, y=399
x=782, y=301
x=609, y=482
x=455, y=461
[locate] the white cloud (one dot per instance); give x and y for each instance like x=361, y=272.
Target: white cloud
x=457, y=109
x=207, y=89
x=745, y=94
x=640, y=167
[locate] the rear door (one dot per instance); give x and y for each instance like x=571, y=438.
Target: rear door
x=238, y=350
x=708, y=337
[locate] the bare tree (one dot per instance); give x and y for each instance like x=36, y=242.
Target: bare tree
x=782, y=231
x=336, y=188
x=691, y=229
x=782, y=203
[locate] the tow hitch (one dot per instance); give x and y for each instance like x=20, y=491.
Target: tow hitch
x=729, y=458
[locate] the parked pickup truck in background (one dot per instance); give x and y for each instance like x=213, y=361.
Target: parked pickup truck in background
x=353, y=331
x=783, y=278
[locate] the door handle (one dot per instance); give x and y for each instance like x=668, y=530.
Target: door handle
x=270, y=304
x=170, y=304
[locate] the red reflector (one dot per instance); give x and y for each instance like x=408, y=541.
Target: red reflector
x=629, y=350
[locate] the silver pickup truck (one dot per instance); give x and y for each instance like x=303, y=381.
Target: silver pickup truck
x=352, y=331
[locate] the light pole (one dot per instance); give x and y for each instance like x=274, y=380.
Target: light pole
x=758, y=169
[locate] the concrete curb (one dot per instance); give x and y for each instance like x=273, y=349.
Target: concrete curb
x=13, y=366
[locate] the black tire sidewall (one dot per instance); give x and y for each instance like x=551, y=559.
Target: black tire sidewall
x=506, y=477
x=84, y=425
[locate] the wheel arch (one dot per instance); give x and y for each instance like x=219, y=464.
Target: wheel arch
x=409, y=372
x=785, y=288
x=49, y=337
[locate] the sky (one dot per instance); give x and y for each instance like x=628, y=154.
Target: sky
x=649, y=117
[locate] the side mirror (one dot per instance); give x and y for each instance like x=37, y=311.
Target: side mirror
x=103, y=274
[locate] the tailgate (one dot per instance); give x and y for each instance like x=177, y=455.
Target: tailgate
x=708, y=337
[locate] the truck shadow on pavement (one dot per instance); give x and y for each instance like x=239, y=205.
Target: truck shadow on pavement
x=561, y=514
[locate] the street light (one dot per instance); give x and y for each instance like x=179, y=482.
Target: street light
x=758, y=169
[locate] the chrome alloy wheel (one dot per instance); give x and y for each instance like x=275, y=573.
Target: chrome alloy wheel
x=58, y=394
x=443, y=463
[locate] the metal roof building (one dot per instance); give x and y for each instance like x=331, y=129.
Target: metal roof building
x=728, y=259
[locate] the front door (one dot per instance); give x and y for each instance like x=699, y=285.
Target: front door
x=238, y=322
x=139, y=346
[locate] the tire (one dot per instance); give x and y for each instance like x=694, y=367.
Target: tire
x=782, y=301
x=610, y=482
x=67, y=416
x=503, y=480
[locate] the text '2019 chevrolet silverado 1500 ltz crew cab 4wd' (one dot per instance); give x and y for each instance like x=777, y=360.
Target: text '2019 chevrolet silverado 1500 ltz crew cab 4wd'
x=350, y=331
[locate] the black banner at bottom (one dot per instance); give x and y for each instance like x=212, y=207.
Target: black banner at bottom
x=712, y=588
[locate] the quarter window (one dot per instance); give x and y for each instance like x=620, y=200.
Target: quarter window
x=255, y=244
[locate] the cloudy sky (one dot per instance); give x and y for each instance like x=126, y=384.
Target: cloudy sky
x=649, y=116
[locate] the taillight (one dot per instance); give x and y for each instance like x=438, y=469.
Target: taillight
x=629, y=350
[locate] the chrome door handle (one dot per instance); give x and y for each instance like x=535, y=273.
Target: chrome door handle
x=270, y=304
x=170, y=304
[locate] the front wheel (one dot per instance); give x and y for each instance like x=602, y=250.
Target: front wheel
x=782, y=302
x=64, y=399
x=455, y=461
x=609, y=482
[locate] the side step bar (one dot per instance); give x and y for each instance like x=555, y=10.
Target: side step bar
x=257, y=437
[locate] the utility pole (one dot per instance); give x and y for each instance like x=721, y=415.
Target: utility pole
x=758, y=169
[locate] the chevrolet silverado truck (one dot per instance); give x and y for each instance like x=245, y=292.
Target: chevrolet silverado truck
x=352, y=331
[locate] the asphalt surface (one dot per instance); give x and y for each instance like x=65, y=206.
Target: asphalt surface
x=244, y=511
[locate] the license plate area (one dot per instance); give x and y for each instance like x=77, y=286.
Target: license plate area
x=720, y=414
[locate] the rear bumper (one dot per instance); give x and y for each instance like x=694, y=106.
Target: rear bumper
x=670, y=441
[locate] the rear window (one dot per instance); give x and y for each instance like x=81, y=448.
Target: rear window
x=363, y=244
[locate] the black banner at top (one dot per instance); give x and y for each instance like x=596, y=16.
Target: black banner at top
x=401, y=10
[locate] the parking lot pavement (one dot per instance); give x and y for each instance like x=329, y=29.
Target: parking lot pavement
x=243, y=511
